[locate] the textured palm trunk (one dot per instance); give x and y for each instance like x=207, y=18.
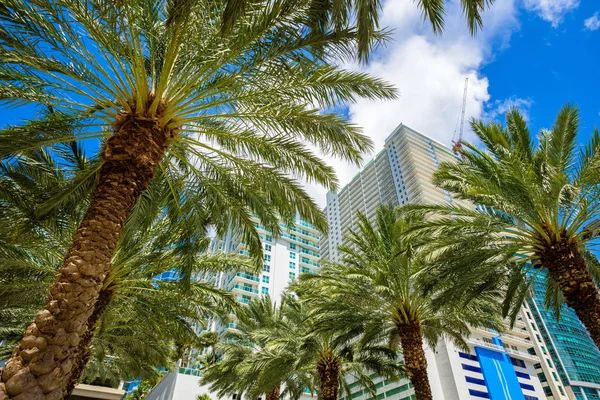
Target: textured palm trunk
x=328, y=368
x=411, y=340
x=84, y=352
x=273, y=394
x=42, y=363
x=567, y=267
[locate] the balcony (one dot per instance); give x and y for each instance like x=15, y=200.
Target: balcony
x=516, y=353
x=515, y=339
x=523, y=354
x=246, y=277
x=481, y=343
x=243, y=288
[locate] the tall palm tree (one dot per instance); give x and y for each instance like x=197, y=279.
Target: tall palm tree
x=146, y=317
x=277, y=348
x=158, y=82
x=537, y=207
x=378, y=291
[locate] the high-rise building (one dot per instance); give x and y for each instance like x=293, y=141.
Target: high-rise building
x=497, y=366
x=295, y=251
x=399, y=174
x=571, y=359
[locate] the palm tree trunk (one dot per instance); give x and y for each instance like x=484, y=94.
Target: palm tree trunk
x=273, y=394
x=41, y=364
x=84, y=352
x=567, y=267
x=328, y=367
x=411, y=340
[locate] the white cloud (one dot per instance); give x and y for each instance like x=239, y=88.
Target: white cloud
x=552, y=11
x=496, y=109
x=429, y=71
x=592, y=23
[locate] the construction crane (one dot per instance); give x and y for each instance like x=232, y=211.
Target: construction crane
x=456, y=144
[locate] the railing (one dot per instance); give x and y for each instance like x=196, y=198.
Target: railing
x=496, y=347
x=522, y=354
x=245, y=276
x=516, y=338
x=244, y=288
x=478, y=342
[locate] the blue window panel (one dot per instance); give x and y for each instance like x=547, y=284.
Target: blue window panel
x=527, y=387
x=471, y=368
x=517, y=363
x=531, y=398
x=475, y=380
x=522, y=375
x=468, y=356
x=477, y=393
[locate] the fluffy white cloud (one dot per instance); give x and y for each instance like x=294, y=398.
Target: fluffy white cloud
x=592, y=23
x=552, y=11
x=429, y=71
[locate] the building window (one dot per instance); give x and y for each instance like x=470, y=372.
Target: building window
x=266, y=268
x=293, y=246
x=269, y=238
x=292, y=255
x=527, y=387
x=478, y=393
x=264, y=290
x=267, y=257
x=292, y=275
x=472, y=368
x=517, y=363
x=292, y=265
x=265, y=279
x=468, y=356
x=522, y=375
x=267, y=247
x=476, y=381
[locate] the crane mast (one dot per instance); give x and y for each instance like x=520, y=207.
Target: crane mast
x=457, y=144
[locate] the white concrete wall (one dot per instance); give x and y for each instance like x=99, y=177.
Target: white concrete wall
x=177, y=386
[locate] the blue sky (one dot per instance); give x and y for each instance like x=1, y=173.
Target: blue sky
x=550, y=66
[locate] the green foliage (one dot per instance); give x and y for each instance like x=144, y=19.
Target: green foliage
x=361, y=16
x=277, y=346
x=203, y=396
x=381, y=283
x=246, y=105
x=528, y=196
x=147, y=319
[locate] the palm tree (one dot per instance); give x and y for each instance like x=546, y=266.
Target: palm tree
x=146, y=317
x=274, y=347
x=378, y=291
x=537, y=207
x=235, y=372
x=363, y=16
x=159, y=84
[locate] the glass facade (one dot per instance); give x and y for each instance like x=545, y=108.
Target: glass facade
x=568, y=344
